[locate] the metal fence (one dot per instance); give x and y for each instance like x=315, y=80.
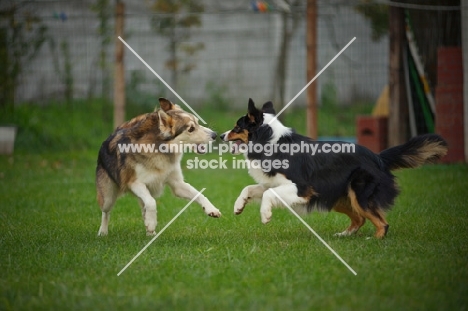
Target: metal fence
x=233, y=54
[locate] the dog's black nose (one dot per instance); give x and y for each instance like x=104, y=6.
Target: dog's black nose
x=213, y=135
x=222, y=136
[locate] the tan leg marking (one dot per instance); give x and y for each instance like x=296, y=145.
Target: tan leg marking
x=357, y=221
x=381, y=225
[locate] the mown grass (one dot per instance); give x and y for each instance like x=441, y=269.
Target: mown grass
x=52, y=259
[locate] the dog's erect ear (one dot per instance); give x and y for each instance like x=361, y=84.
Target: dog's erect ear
x=252, y=109
x=268, y=108
x=165, y=124
x=165, y=104
x=164, y=119
x=255, y=116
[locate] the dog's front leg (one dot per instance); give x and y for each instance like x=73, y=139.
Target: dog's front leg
x=148, y=205
x=184, y=190
x=287, y=193
x=247, y=194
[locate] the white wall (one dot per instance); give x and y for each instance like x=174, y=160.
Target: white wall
x=240, y=53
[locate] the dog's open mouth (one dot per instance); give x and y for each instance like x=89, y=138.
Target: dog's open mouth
x=236, y=146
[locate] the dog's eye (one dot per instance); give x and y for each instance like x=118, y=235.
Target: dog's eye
x=191, y=129
x=236, y=129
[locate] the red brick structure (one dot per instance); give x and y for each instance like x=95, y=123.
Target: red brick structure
x=372, y=132
x=449, y=101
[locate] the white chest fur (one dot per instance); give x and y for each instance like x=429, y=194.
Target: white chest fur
x=268, y=181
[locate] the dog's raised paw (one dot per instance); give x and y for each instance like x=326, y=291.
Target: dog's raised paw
x=215, y=214
x=239, y=206
x=238, y=209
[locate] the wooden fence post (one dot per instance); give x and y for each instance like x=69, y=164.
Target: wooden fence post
x=311, y=38
x=119, y=71
x=398, y=107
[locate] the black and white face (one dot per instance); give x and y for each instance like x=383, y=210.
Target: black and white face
x=246, y=125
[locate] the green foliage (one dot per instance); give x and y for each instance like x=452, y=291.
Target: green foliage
x=329, y=95
x=173, y=22
x=68, y=71
x=377, y=15
x=63, y=66
x=333, y=121
x=104, y=11
x=76, y=125
x=84, y=124
x=22, y=34
x=217, y=96
x=139, y=101
x=340, y=121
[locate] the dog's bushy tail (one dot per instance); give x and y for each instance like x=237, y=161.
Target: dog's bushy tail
x=419, y=150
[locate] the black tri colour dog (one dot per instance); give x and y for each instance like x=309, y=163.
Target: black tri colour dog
x=347, y=178
x=145, y=172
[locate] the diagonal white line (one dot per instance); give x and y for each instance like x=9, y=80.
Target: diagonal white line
x=162, y=80
x=162, y=230
x=313, y=79
x=312, y=230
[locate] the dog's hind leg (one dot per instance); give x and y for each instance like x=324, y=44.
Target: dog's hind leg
x=287, y=193
x=248, y=193
x=149, y=205
x=357, y=221
x=376, y=215
x=107, y=192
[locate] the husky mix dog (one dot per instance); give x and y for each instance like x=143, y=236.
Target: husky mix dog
x=145, y=173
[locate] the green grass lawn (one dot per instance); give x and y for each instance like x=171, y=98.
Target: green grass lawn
x=52, y=259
